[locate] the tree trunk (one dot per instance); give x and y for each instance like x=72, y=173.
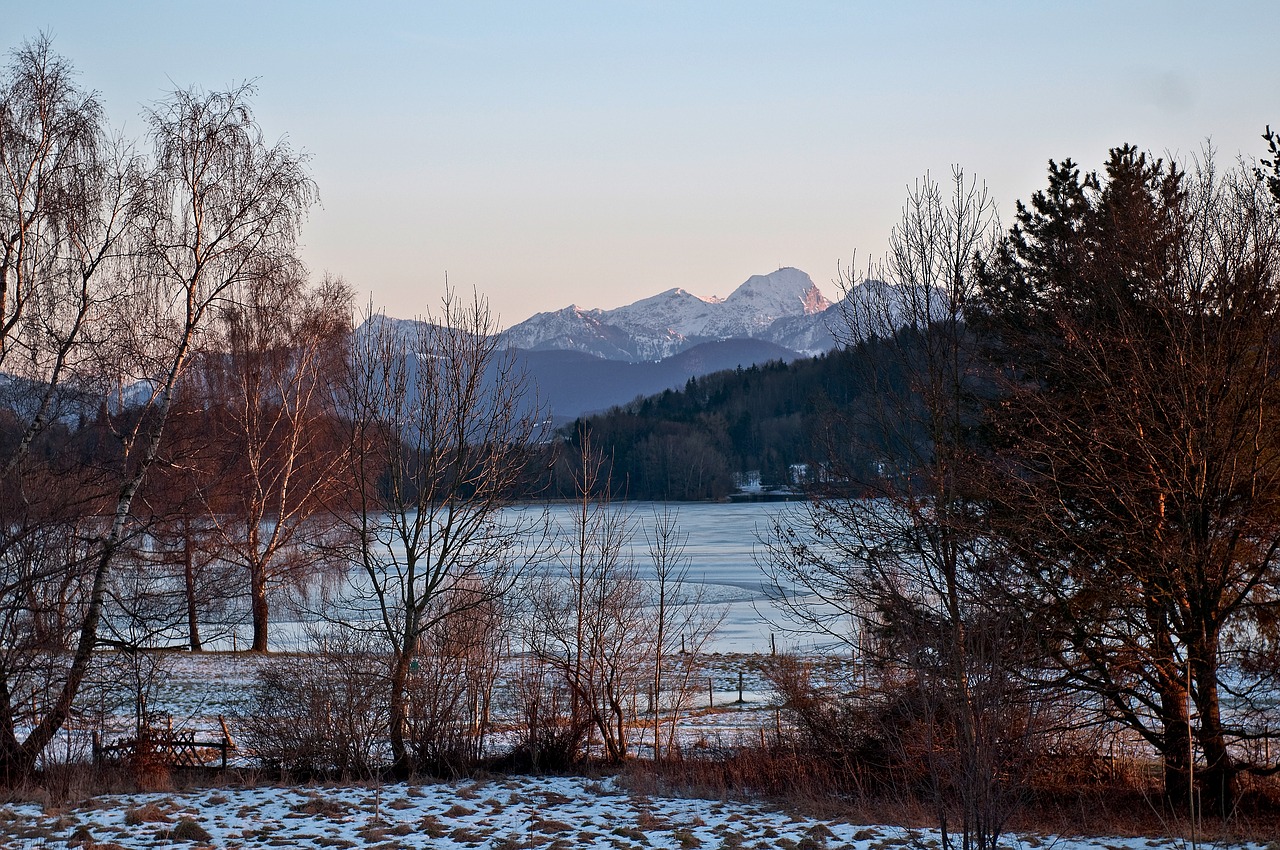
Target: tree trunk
x=1177, y=744
x=258, y=606
x=23, y=762
x=9, y=746
x=189, y=576
x=1218, y=777
x=1171, y=685
x=401, y=759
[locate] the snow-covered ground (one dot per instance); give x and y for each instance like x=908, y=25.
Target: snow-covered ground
x=195, y=690
x=509, y=812
x=555, y=813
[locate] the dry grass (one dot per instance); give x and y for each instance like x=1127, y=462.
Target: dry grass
x=186, y=829
x=779, y=777
x=317, y=805
x=791, y=779
x=149, y=813
x=457, y=810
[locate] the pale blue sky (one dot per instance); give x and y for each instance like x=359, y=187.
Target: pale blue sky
x=594, y=153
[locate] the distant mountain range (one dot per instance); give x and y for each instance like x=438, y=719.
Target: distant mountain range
x=784, y=308
x=586, y=361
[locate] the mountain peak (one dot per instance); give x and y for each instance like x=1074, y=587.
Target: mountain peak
x=788, y=291
x=675, y=319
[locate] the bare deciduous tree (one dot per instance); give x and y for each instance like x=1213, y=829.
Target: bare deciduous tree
x=65, y=194
x=442, y=425
x=266, y=381
x=586, y=624
x=610, y=637
x=215, y=206
x=684, y=622
x=890, y=557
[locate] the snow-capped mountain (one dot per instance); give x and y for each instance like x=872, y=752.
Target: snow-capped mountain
x=586, y=360
x=674, y=320
x=589, y=331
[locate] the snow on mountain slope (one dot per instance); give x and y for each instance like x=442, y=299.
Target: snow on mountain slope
x=574, y=329
x=763, y=299
x=809, y=335
x=676, y=310
x=671, y=321
x=753, y=307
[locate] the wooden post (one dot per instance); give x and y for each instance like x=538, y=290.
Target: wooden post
x=740, y=686
x=711, y=696
x=226, y=733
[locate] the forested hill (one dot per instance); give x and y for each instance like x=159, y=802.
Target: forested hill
x=689, y=444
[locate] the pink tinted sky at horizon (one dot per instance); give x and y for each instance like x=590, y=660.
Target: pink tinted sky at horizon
x=576, y=152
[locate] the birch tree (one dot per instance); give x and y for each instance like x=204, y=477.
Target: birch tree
x=214, y=205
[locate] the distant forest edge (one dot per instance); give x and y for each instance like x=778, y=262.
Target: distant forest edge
x=776, y=419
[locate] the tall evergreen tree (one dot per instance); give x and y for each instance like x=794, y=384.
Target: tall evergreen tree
x=1136, y=492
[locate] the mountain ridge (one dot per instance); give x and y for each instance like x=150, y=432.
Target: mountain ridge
x=583, y=360
x=661, y=325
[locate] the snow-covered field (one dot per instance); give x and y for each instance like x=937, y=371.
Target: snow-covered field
x=509, y=812
x=520, y=812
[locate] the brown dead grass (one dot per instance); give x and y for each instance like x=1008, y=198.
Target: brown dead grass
x=148, y=813
x=792, y=780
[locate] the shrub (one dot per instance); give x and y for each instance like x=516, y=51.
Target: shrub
x=323, y=712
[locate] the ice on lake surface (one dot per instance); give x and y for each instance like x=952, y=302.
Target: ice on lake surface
x=721, y=553
x=722, y=541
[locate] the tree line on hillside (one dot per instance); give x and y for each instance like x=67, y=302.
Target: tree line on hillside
x=1044, y=519
x=774, y=418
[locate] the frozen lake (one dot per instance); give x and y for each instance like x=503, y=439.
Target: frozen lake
x=721, y=554
x=722, y=541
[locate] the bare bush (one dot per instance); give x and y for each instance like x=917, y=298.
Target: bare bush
x=323, y=712
x=451, y=686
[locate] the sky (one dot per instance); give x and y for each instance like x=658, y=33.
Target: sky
x=593, y=153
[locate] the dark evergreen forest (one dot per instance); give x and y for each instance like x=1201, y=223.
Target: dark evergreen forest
x=775, y=418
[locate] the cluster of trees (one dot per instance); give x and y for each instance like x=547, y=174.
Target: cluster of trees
x=189, y=426
x=693, y=443
x=1075, y=520
x=115, y=267
x=544, y=630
